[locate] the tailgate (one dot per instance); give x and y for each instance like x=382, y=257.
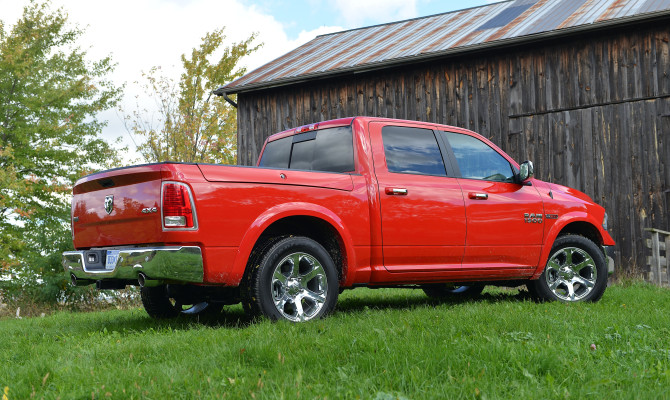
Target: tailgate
x=117, y=207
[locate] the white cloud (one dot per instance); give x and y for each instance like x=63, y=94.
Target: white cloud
x=364, y=12
x=140, y=34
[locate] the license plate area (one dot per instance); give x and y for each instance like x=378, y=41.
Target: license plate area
x=111, y=259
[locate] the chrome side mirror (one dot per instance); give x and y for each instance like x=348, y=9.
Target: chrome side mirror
x=525, y=171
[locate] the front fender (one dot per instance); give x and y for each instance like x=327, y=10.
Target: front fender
x=559, y=225
x=285, y=210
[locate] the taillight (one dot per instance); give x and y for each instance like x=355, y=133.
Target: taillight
x=177, y=208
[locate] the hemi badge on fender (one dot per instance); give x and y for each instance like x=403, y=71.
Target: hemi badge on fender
x=551, y=216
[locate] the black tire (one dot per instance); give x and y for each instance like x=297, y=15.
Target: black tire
x=575, y=271
x=445, y=291
x=159, y=305
x=253, y=264
x=297, y=273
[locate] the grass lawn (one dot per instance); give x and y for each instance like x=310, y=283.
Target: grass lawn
x=380, y=344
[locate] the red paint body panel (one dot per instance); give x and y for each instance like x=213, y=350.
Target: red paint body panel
x=498, y=235
x=424, y=229
x=436, y=231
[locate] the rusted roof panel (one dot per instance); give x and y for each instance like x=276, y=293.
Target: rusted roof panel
x=652, y=5
x=490, y=25
x=558, y=12
x=505, y=17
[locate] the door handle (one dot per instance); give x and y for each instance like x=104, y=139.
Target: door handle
x=478, y=196
x=396, y=191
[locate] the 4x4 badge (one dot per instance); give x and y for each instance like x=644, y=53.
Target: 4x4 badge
x=109, y=203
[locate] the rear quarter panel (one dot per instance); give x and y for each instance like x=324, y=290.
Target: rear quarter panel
x=235, y=210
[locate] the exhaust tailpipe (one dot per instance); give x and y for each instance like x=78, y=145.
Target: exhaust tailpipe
x=79, y=282
x=144, y=281
x=141, y=279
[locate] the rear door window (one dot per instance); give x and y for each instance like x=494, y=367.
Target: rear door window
x=412, y=151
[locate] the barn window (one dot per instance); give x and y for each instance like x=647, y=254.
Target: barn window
x=412, y=151
x=477, y=160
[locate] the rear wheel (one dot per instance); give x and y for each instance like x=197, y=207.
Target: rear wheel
x=575, y=271
x=446, y=290
x=158, y=304
x=295, y=280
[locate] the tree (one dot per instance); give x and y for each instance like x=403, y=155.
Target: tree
x=192, y=126
x=50, y=94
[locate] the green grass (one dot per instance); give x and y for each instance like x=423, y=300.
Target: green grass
x=380, y=344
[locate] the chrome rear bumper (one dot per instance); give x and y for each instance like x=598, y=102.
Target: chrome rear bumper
x=172, y=263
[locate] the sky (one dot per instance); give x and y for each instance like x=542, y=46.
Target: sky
x=141, y=34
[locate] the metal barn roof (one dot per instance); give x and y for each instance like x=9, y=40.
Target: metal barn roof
x=416, y=39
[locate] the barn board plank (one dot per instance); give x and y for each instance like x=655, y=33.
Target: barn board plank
x=504, y=84
x=573, y=149
x=473, y=109
x=451, y=94
x=616, y=80
x=553, y=84
x=494, y=108
x=436, y=93
x=645, y=66
x=360, y=97
x=558, y=139
x=587, y=153
x=663, y=61
x=483, y=99
x=515, y=87
x=601, y=69
x=635, y=63
x=599, y=154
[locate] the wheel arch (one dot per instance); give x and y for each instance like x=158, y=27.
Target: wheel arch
x=299, y=219
x=576, y=224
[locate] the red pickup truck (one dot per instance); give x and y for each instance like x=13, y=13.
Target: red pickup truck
x=335, y=205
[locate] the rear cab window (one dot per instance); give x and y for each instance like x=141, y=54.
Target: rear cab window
x=325, y=150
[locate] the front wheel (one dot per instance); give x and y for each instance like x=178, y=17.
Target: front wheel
x=295, y=280
x=575, y=271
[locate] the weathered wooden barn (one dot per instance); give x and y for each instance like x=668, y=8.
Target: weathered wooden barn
x=581, y=87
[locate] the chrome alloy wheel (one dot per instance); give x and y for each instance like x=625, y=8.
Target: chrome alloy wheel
x=571, y=274
x=299, y=286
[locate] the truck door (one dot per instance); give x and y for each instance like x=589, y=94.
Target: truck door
x=504, y=219
x=422, y=207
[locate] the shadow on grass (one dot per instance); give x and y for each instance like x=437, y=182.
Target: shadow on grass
x=234, y=318
x=139, y=321
x=401, y=301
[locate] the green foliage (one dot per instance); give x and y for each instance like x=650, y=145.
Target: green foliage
x=192, y=126
x=50, y=94
x=380, y=344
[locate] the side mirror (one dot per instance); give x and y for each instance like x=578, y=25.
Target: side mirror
x=525, y=171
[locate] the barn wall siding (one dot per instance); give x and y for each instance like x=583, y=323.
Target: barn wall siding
x=592, y=113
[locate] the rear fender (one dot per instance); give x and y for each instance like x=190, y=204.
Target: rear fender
x=279, y=212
